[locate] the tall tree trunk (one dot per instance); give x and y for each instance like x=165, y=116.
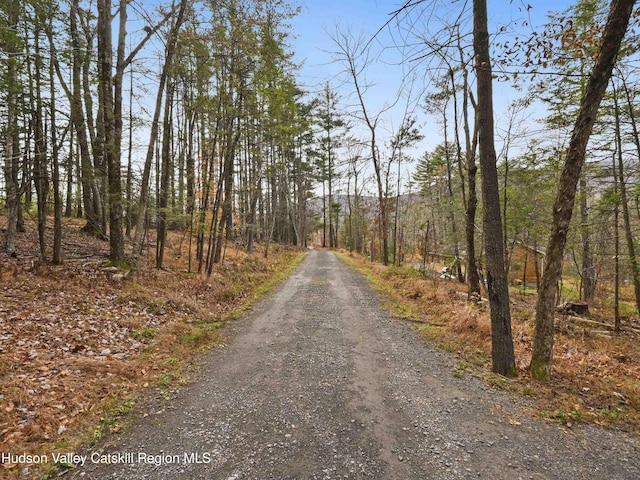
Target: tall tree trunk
x=473, y=278
x=112, y=86
x=40, y=170
x=631, y=247
x=70, y=164
x=384, y=224
x=231, y=138
x=635, y=268
x=207, y=180
x=165, y=169
x=542, y=358
x=55, y=173
x=616, y=245
x=324, y=215
x=396, y=253
x=12, y=139
x=588, y=277
x=129, y=180
x=450, y=204
x=91, y=206
x=503, y=356
x=456, y=130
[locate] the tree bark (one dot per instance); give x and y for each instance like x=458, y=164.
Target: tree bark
x=86, y=172
x=588, y=277
x=631, y=247
x=93, y=127
x=110, y=119
x=473, y=278
x=542, y=358
x=12, y=141
x=165, y=169
x=503, y=356
x=40, y=170
x=633, y=261
x=55, y=173
x=616, y=244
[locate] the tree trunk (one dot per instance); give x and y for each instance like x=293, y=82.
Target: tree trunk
x=129, y=180
x=55, y=173
x=616, y=244
x=635, y=268
x=324, y=215
x=473, y=278
x=165, y=169
x=503, y=356
x=86, y=173
x=372, y=123
x=113, y=126
x=451, y=213
x=68, y=207
x=631, y=247
x=40, y=170
x=12, y=140
x=542, y=358
x=588, y=277
x=396, y=253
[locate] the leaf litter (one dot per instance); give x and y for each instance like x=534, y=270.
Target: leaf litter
x=75, y=338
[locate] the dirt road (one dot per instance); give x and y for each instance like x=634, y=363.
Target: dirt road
x=320, y=383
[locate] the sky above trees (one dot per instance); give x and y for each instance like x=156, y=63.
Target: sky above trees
x=312, y=46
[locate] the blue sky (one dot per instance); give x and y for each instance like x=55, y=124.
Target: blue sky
x=367, y=16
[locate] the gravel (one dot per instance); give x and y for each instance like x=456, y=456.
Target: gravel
x=321, y=383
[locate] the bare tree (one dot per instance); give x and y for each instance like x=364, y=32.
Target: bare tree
x=146, y=173
x=55, y=174
x=633, y=259
x=355, y=54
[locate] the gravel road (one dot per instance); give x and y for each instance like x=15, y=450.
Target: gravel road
x=321, y=383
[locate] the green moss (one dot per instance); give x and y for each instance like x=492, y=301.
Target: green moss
x=540, y=370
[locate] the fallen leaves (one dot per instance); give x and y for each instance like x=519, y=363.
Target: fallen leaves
x=70, y=341
x=595, y=378
x=71, y=336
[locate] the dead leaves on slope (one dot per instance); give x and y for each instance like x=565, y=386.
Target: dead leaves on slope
x=72, y=337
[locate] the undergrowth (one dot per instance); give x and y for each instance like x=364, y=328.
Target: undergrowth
x=596, y=379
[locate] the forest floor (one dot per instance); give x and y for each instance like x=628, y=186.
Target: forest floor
x=320, y=382
x=79, y=344
x=596, y=372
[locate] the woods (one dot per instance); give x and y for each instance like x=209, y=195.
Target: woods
x=227, y=119
x=190, y=117
x=163, y=165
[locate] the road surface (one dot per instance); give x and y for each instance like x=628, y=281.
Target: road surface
x=319, y=382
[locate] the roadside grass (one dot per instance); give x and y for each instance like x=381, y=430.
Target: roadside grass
x=85, y=348
x=596, y=375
